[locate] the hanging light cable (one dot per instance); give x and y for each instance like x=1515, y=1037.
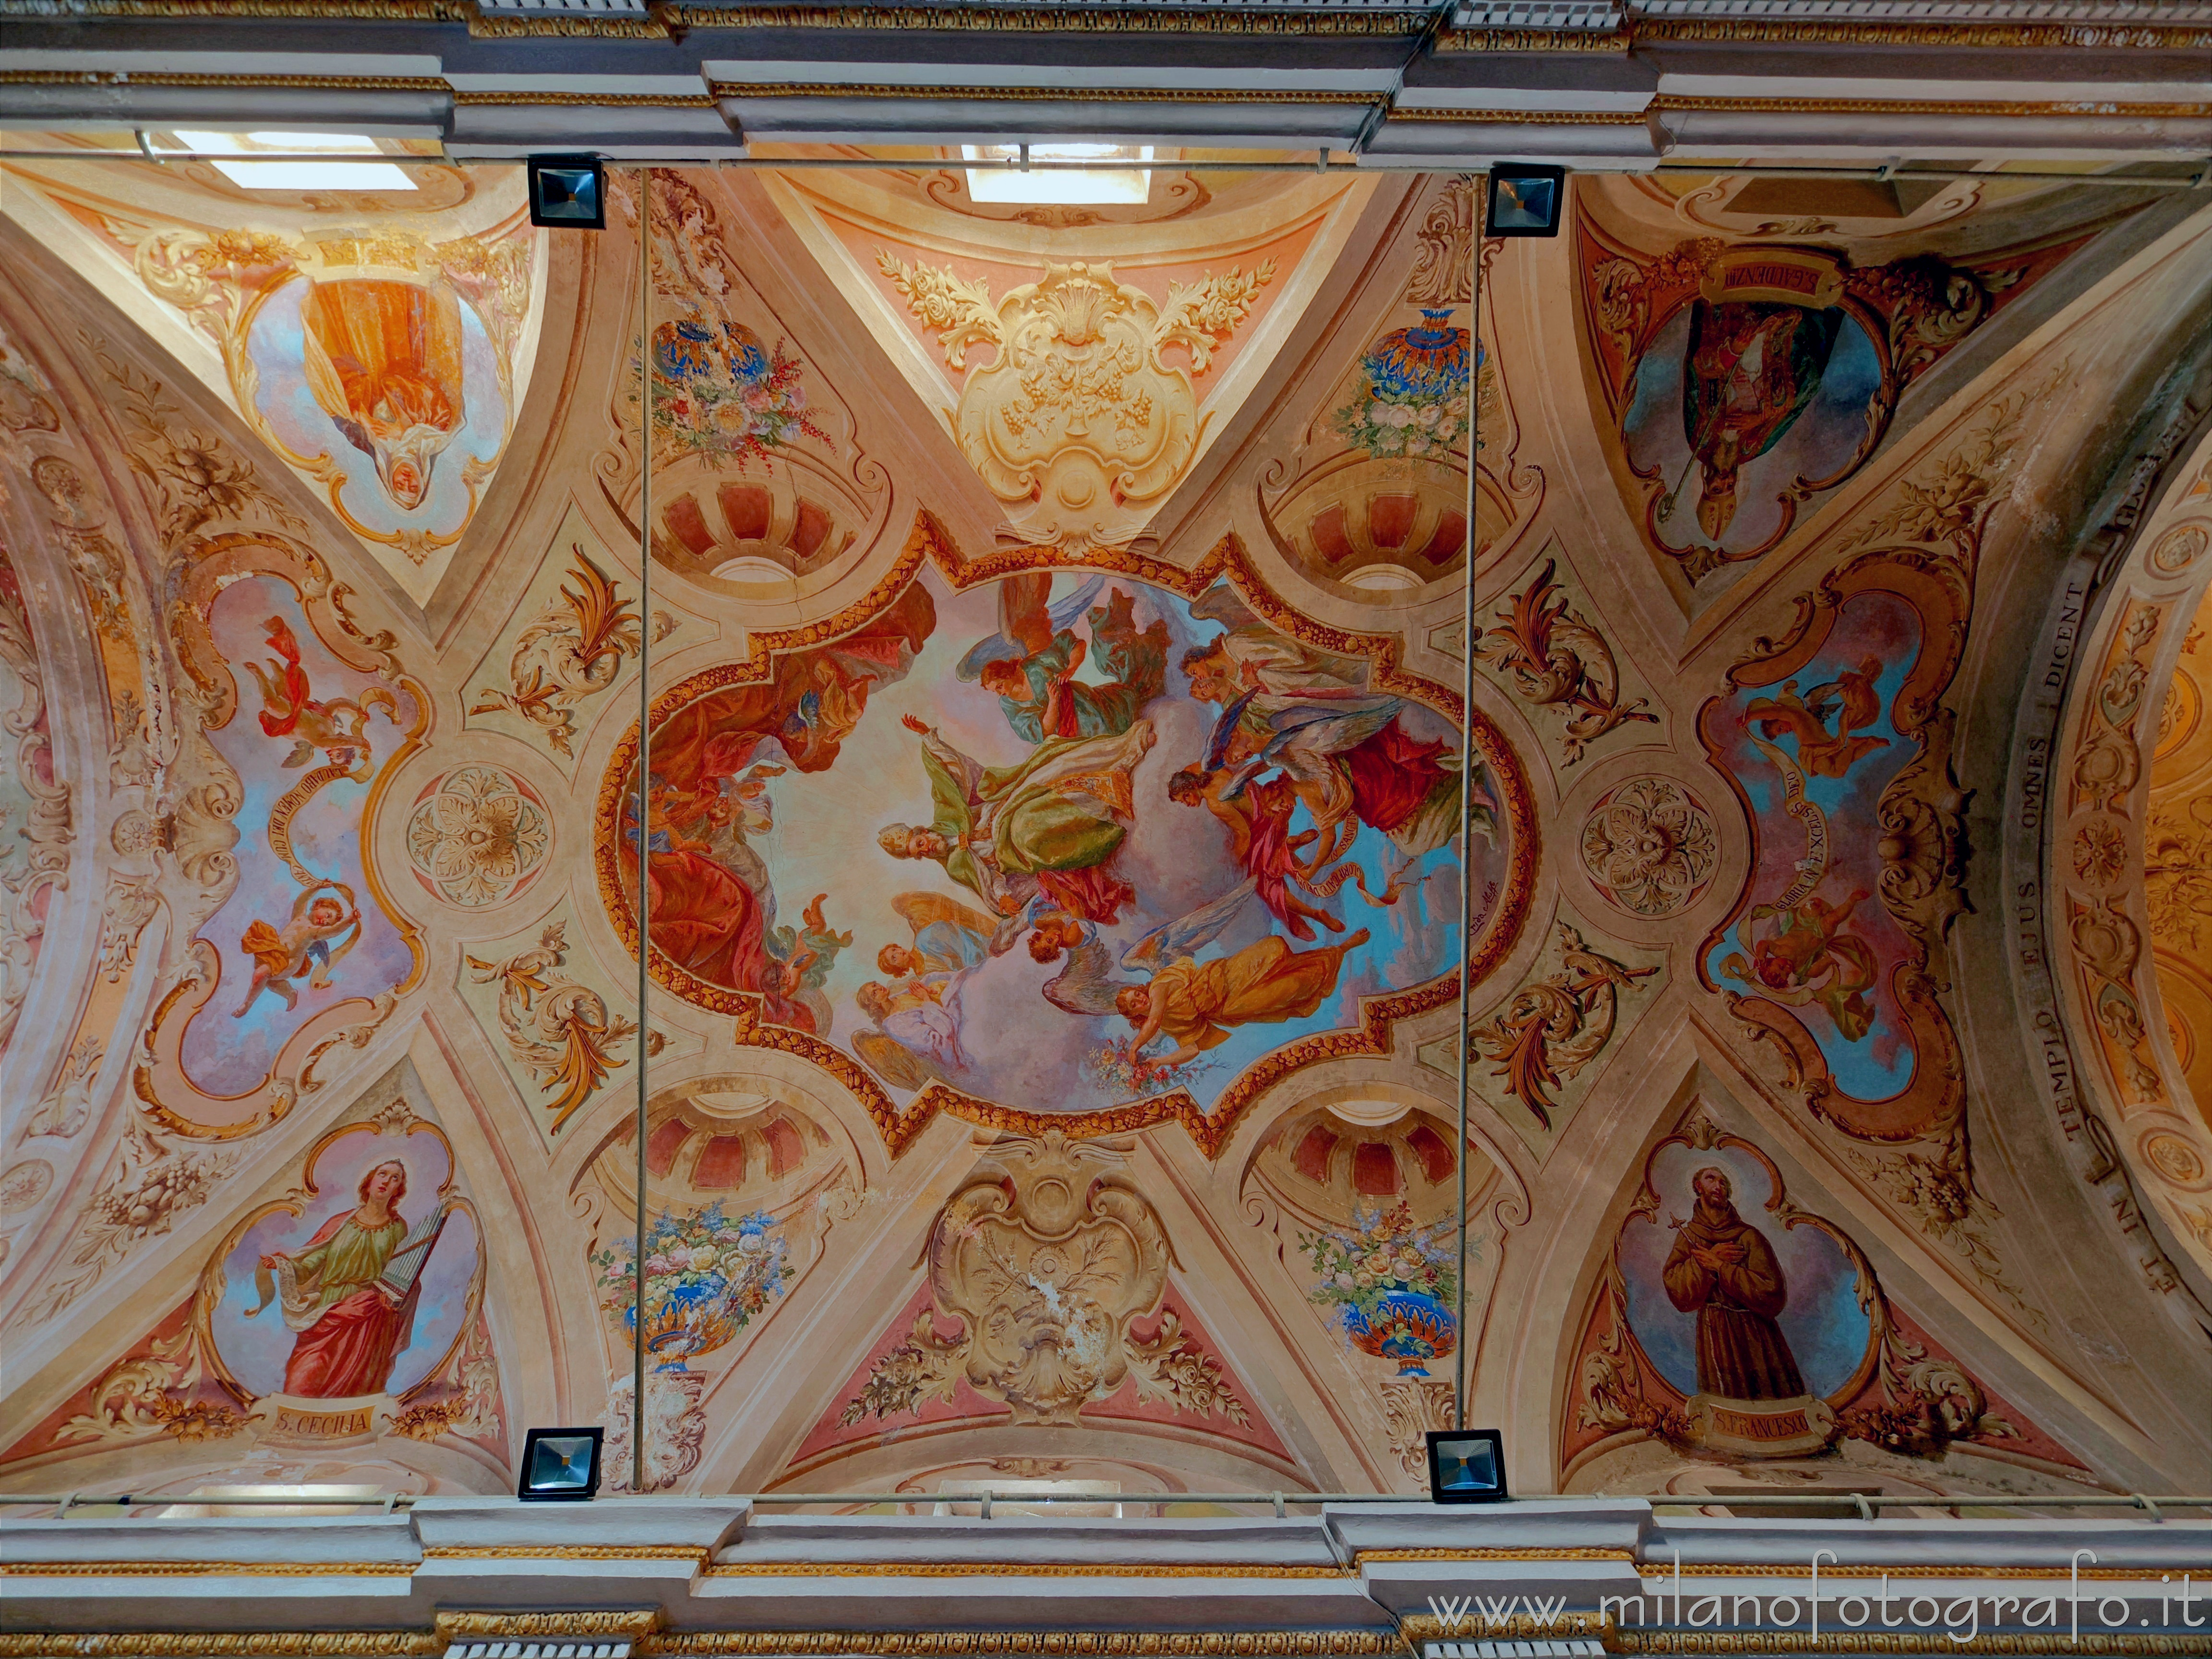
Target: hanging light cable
x=644, y=784
x=1474, y=183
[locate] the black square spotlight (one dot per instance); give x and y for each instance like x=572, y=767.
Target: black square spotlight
x=1526, y=199
x=560, y=1466
x=567, y=190
x=1467, y=1466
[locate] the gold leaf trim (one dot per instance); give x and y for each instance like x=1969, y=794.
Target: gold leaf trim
x=1775, y=31
x=934, y=94
x=636, y=1623
x=1771, y=1569
x=1773, y=1642
x=586, y=99
x=1563, y=1555
x=566, y=1552
x=205, y=1570
x=2127, y=37
x=1527, y=117
x=1126, y=1644
x=1046, y=19
x=2031, y=107
x=179, y=78
x=255, y=1644
x=1533, y=40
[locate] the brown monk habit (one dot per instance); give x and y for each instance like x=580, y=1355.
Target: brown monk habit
x=1723, y=1268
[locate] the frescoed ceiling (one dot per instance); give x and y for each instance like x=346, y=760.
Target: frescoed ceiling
x=1104, y=670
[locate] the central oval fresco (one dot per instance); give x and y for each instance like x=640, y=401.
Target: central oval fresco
x=1065, y=849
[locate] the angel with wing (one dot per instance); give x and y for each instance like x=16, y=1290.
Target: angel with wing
x=1030, y=664
x=1345, y=750
x=947, y=936
x=1196, y=1004
x=916, y=1037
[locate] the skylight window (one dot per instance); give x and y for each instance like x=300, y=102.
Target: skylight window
x=295, y=173
x=1057, y=185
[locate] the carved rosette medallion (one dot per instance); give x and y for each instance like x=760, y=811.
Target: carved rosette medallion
x=478, y=836
x=1651, y=846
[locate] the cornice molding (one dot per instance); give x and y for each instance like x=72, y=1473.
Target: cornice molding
x=1652, y=1572
x=1814, y=32
x=206, y=1570
x=934, y=95
x=1776, y=1641
x=676, y=21
x=694, y=1552
x=1008, y=1570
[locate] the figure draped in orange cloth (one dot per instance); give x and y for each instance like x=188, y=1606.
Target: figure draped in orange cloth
x=383, y=359
x=340, y=1292
x=1723, y=1269
x=1851, y=699
x=303, y=945
x=1805, y=956
x=1263, y=984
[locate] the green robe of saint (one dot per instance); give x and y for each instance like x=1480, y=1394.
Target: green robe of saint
x=1064, y=807
x=335, y=1266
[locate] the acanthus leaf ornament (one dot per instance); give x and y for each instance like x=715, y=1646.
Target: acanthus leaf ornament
x=1557, y=658
x=1553, y=1027
x=148, y=1187
x=1651, y=846
x=1833, y=952
x=477, y=835
x=561, y=1030
x=571, y=650
x=1078, y=424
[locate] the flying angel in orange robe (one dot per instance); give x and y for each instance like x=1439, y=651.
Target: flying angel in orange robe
x=383, y=360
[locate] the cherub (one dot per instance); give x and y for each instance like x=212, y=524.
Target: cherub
x=917, y=1029
x=1260, y=835
x=337, y=726
x=797, y=966
x=1851, y=699
x=302, y=946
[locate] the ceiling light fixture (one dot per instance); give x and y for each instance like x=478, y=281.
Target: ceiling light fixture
x=1089, y=182
x=294, y=173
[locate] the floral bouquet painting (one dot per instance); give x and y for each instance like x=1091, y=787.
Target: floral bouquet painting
x=1415, y=404
x=723, y=393
x=1131, y=1077
x=705, y=1276
x=1393, y=1283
